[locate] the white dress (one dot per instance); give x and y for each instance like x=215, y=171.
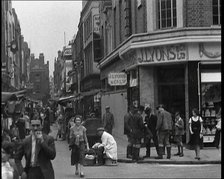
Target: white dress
x=110, y=145
x=7, y=171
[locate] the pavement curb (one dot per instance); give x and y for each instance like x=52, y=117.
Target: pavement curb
x=170, y=162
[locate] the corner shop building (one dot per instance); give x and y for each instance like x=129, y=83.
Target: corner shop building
x=179, y=68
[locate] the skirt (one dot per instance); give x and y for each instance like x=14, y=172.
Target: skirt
x=78, y=153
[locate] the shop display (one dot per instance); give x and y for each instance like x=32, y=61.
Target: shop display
x=210, y=99
x=213, y=130
x=208, y=115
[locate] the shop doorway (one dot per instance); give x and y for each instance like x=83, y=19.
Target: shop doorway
x=171, y=90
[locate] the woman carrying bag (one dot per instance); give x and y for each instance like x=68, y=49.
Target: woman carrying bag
x=78, y=139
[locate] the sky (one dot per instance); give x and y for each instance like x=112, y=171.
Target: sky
x=47, y=25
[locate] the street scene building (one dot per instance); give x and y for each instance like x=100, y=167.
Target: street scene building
x=165, y=50
x=39, y=78
x=19, y=66
x=139, y=81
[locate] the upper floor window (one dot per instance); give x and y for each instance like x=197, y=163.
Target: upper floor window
x=87, y=27
x=167, y=14
x=216, y=10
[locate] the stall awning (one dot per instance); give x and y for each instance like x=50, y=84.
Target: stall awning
x=6, y=96
x=63, y=100
x=90, y=93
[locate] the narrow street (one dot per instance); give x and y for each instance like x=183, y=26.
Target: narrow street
x=63, y=169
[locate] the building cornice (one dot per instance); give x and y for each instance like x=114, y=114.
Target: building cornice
x=164, y=37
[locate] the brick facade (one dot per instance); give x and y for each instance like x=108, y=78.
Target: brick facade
x=198, y=13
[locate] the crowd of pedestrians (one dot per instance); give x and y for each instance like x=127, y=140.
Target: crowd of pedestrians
x=27, y=136
x=141, y=125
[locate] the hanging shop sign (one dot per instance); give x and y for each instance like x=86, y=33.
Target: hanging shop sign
x=96, y=23
x=67, y=52
x=117, y=79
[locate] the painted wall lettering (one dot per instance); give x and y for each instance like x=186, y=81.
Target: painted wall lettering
x=161, y=54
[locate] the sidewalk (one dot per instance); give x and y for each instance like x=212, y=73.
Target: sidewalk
x=208, y=155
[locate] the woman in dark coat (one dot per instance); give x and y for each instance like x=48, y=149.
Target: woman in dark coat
x=46, y=122
x=196, y=126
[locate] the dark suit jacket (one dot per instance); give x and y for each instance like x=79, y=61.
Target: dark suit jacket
x=151, y=122
x=127, y=128
x=45, y=153
x=137, y=126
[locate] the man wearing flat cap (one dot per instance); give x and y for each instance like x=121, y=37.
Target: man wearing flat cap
x=108, y=120
x=108, y=145
x=163, y=128
x=150, y=123
x=136, y=132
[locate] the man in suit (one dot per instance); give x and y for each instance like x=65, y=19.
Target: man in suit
x=163, y=128
x=150, y=123
x=108, y=120
x=39, y=150
x=127, y=131
x=136, y=133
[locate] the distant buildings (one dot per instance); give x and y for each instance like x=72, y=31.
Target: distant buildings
x=39, y=78
x=15, y=56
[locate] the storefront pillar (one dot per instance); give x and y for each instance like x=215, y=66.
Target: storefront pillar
x=192, y=93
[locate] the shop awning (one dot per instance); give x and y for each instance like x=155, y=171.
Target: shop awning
x=63, y=100
x=6, y=96
x=90, y=93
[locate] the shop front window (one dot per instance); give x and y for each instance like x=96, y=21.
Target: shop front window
x=210, y=103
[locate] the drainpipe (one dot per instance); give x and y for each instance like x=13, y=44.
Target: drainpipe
x=199, y=87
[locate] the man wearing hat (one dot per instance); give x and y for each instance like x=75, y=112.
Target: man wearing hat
x=39, y=150
x=136, y=132
x=108, y=120
x=127, y=131
x=108, y=145
x=150, y=123
x=163, y=127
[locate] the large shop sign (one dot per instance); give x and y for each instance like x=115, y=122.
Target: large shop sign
x=159, y=54
x=117, y=79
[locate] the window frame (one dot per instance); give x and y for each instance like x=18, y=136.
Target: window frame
x=172, y=17
x=218, y=16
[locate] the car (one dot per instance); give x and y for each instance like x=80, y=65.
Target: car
x=91, y=125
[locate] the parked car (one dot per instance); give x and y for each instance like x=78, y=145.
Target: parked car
x=91, y=125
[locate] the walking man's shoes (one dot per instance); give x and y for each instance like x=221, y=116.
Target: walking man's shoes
x=177, y=154
x=159, y=157
x=181, y=155
x=146, y=156
x=81, y=174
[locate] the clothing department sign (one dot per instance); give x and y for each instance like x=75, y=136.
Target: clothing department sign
x=158, y=54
